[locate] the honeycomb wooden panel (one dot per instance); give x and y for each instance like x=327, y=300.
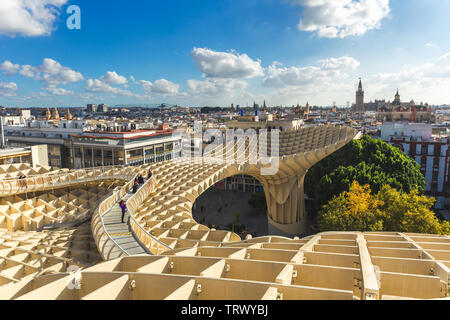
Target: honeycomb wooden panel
x=187, y=260
x=250, y=272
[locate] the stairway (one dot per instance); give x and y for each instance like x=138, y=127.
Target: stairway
x=120, y=232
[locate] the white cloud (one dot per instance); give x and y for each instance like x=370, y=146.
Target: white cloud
x=59, y=91
x=29, y=17
x=50, y=72
x=99, y=86
x=96, y=85
x=226, y=64
x=215, y=86
x=28, y=71
x=9, y=68
x=341, y=18
x=339, y=63
x=112, y=77
x=53, y=73
x=329, y=70
x=426, y=82
x=8, y=89
x=86, y=96
x=160, y=87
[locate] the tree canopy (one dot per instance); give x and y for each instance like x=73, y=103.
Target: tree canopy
x=389, y=210
x=368, y=161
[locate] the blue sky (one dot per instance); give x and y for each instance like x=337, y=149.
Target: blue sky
x=203, y=52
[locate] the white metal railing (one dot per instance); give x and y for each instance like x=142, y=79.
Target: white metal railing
x=55, y=180
x=107, y=246
x=151, y=243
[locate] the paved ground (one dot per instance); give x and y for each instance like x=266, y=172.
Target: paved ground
x=120, y=232
x=213, y=200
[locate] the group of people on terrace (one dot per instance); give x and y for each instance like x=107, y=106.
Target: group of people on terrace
x=138, y=182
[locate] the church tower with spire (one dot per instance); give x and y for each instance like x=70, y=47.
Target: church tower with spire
x=56, y=115
x=48, y=115
x=359, y=107
x=68, y=115
x=397, y=101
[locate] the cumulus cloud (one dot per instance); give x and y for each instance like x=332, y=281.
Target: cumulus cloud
x=230, y=65
x=50, y=72
x=8, y=89
x=330, y=69
x=341, y=18
x=9, y=68
x=323, y=84
x=112, y=77
x=427, y=81
x=60, y=91
x=431, y=72
x=29, y=17
x=160, y=87
x=339, y=63
x=99, y=86
x=53, y=73
x=28, y=71
x=96, y=85
x=215, y=86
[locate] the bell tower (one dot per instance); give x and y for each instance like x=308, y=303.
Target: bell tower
x=359, y=107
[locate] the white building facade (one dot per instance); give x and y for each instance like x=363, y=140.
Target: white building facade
x=432, y=153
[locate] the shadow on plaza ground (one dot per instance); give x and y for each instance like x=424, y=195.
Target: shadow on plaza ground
x=223, y=208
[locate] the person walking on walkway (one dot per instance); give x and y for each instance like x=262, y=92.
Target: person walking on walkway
x=150, y=174
x=123, y=206
x=135, y=186
x=141, y=180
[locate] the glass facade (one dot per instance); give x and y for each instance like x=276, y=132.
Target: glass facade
x=100, y=155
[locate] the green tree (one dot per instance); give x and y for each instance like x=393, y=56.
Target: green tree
x=388, y=210
x=368, y=161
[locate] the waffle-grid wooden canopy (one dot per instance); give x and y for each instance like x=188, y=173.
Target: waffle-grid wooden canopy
x=187, y=260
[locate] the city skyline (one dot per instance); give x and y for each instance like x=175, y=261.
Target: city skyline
x=286, y=52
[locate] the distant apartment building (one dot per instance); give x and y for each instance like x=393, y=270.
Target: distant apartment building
x=53, y=133
x=430, y=151
x=17, y=120
x=129, y=148
x=102, y=108
x=443, y=117
x=92, y=108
